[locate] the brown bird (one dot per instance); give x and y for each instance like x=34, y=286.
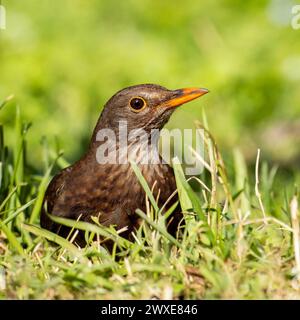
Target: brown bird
x=102, y=183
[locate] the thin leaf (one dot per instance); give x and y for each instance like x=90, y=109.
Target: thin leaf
x=144, y=184
x=53, y=237
x=12, y=238
x=158, y=228
x=85, y=226
x=6, y=101
x=40, y=197
x=188, y=199
x=18, y=211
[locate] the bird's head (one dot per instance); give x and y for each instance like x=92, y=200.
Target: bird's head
x=146, y=106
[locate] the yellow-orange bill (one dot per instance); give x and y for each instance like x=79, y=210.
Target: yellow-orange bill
x=183, y=96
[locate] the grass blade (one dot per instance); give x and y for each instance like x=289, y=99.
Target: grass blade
x=53, y=237
x=86, y=226
x=2, y=104
x=161, y=230
x=40, y=197
x=12, y=239
x=18, y=211
x=188, y=199
x=144, y=184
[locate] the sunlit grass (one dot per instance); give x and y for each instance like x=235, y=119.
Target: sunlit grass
x=240, y=238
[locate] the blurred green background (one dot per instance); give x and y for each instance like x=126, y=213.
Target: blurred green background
x=63, y=59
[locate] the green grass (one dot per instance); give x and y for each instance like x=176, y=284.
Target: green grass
x=240, y=239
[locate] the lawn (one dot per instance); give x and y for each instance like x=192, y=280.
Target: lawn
x=60, y=61
x=240, y=239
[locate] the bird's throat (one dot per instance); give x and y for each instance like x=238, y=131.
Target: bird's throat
x=120, y=146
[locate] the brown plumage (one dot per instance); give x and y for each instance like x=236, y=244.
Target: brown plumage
x=111, y=191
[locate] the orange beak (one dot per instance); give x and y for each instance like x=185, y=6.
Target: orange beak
x=182, y=96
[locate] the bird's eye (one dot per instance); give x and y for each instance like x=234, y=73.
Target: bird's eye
x=137, y=104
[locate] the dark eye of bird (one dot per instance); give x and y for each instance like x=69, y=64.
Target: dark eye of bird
x=137, y=104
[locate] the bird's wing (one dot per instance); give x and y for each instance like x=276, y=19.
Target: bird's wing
x=55, y=188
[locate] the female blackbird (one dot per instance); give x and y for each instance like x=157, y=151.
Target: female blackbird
x=102, y=183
